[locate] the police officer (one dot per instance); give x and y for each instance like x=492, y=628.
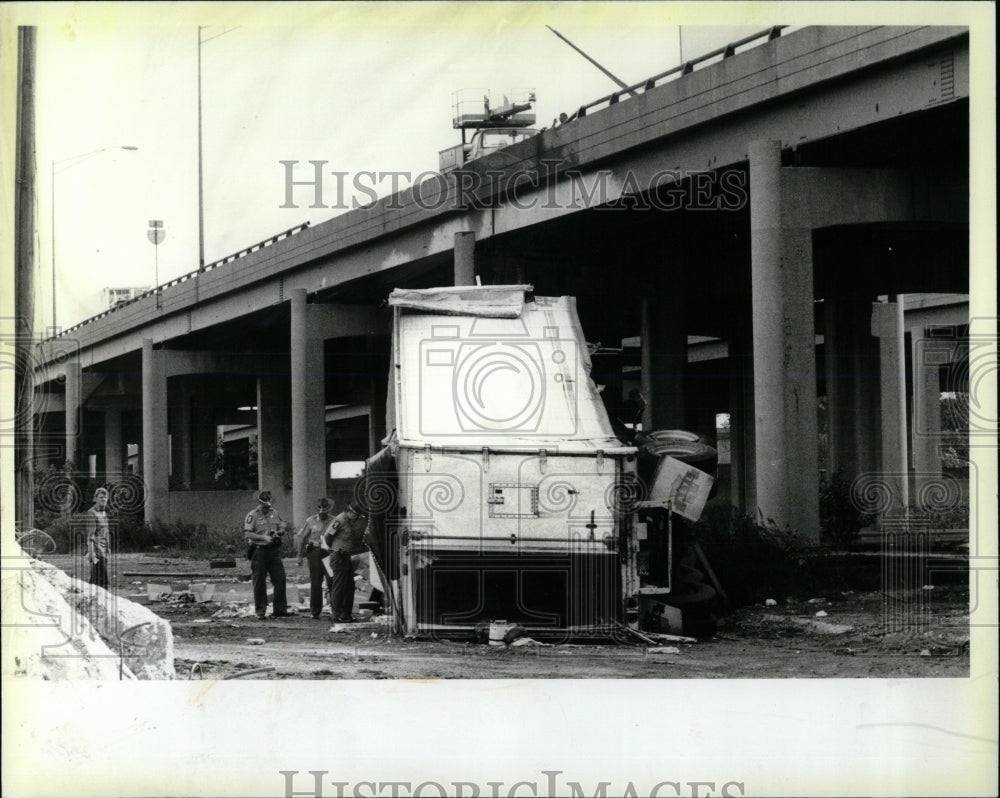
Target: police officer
x=263, y=530
x=312, y=546
x=343, y=538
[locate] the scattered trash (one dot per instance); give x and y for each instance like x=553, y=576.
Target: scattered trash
x=671, y=619
x=158, y=592
x=252, y=672
x=526, y=641
x=202, y=620
x=337, y=628
x=663, y=650
x=202, y=591
x=514, y=633
x=374, y=634
x=822, y=627
x=182, y=598
x=222, y=564
x=928, y=587
x=670, y=638
x=235, y=611
x=255, y=641
x=926, y=652
x=816, y=601
x=844, y=650
x=770, y=603
x=821, y=614
x=499, y=630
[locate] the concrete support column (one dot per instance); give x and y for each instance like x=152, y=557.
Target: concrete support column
x=926, y=432
x=664, y=360
x=784, y=363
x=308, y=412
x=465, y=260
x=741, y=417
x=73, y=411
x=271, y=425
x=154, y=433
x=114, y=455
x=838, y=339
x=865, y=399
x=887, y=326
x=180, y=432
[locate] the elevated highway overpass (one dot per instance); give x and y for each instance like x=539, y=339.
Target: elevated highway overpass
x=770, y=199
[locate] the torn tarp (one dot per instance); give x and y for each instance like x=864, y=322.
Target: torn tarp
x=488, y=301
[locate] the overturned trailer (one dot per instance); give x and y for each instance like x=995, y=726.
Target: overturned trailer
x=503, y=492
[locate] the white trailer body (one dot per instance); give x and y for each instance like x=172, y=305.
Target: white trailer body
x=513, y=490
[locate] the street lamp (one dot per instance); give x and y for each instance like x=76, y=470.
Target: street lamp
x=52, y=199
x=201, y=188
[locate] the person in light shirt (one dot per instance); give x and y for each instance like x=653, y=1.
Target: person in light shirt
x=98, y=539
x=263, y=530
x=312, y=547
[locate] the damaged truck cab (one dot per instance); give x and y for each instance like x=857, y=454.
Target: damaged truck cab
x=503, y=493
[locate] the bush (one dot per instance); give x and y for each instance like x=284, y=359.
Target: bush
x=752, y=557
x=840, y=521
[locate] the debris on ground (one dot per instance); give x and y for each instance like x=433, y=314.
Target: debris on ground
x=822, y=614
x=526, y=641
x=770, y=603
x=663, y=650
x=255, y=641
x=823, y=627
x=670, y=638
x=514, y=633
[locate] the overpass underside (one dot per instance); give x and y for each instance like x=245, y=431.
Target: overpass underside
x=787, y=290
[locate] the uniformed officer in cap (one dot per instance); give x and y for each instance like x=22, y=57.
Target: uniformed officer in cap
x=312, y=546
x=263, y=530
x=343, y=538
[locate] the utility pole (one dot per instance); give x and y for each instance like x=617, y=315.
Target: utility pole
x=24, y=259
x=201, y=178
x=201, y=195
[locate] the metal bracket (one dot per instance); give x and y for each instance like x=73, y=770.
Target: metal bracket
x=427, y=457
x=486, y=458
x=600, y=460
x=542, y=460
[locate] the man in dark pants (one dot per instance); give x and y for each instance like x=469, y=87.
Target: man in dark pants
x=344, y=537
x=98, y=539
x=263, y=529
x=312, y=547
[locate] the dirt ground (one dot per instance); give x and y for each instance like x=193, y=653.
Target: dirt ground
x=859, y=635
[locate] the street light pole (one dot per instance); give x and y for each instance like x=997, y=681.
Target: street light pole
x=201, y=195
x=201, y=189
x=52, y=208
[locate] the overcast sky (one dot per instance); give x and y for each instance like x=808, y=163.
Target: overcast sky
x=362, y=86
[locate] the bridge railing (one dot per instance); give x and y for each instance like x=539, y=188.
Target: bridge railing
x=185, y=277
x=678, y=71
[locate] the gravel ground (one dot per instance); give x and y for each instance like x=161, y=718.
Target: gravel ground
x=854, y=635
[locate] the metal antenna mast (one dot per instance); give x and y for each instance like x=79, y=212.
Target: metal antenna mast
x=621, y=83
